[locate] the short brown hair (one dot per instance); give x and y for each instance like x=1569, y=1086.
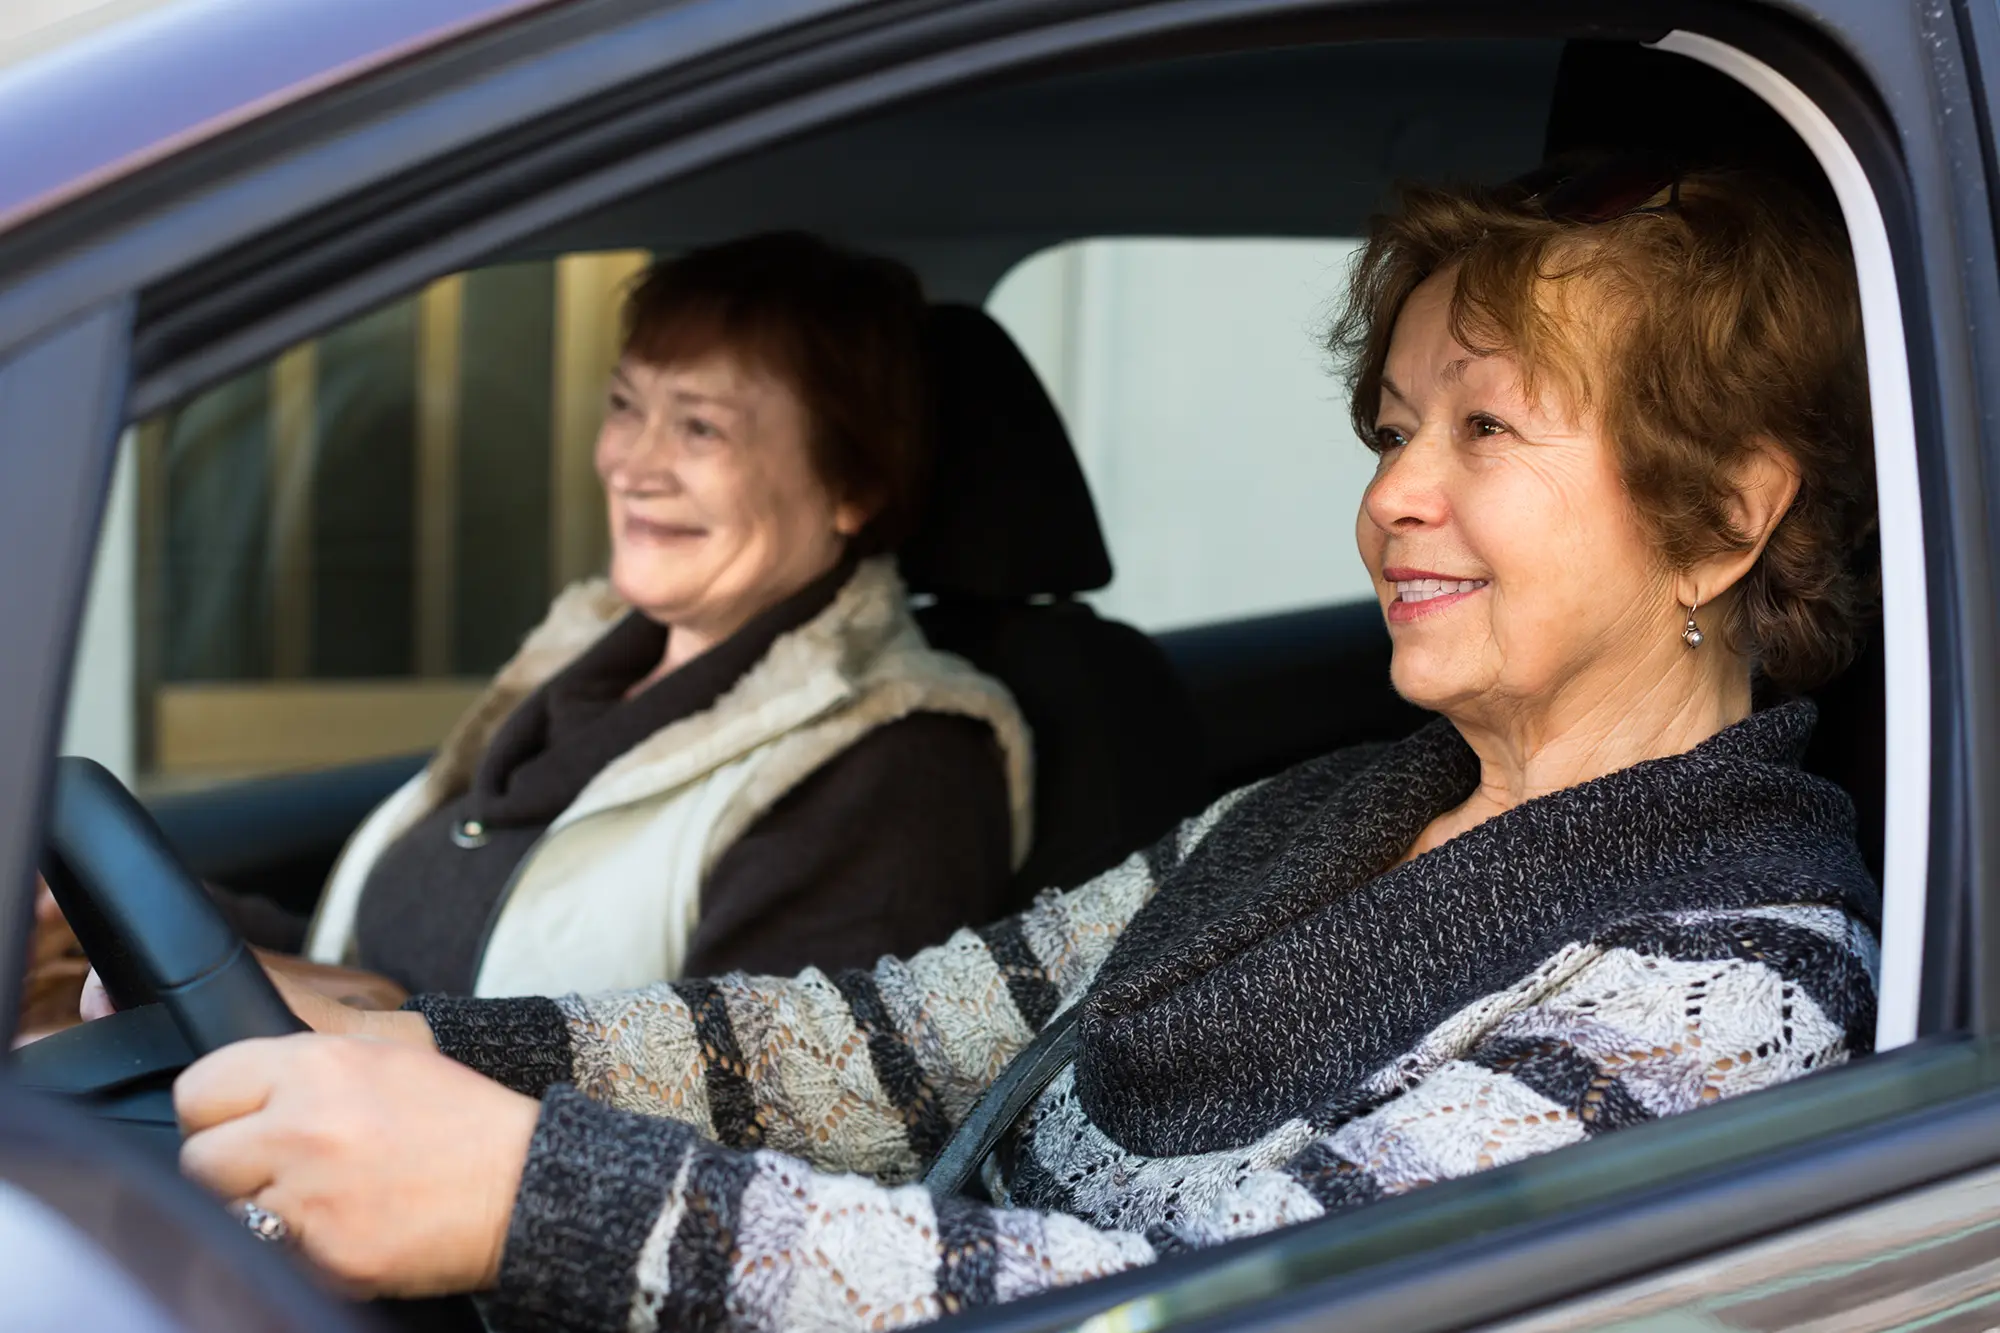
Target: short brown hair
x=1689, y=332
x=843, y=331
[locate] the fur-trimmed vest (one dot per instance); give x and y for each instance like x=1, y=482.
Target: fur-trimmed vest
x=609, y=896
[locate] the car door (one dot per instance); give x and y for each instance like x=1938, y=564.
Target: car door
x=433, y=164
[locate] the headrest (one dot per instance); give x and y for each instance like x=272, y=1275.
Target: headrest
x=1008, y=513
x=1619, y=97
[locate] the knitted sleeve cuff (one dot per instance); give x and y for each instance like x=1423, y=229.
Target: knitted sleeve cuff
x=521, y=1044
x=595, y=1183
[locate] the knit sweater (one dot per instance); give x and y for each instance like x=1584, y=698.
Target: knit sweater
x=1277, y=1021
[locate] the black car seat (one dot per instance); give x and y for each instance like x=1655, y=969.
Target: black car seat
x=1618, y=97
x=1008, y=541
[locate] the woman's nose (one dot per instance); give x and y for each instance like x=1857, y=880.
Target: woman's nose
x=1408, y=489
x=639, y=459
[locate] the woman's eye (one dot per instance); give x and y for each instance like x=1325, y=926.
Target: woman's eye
x=1387, y=438
x=618, y=402
x=1484, y=427
x=699, y=429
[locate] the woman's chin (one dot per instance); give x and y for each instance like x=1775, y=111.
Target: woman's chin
x=648, y=591
x=1429, y=685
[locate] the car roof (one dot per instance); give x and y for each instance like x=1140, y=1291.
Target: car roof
x=126, y=83
x=964, y=185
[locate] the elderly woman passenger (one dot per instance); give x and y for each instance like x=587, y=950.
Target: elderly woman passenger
x=735, y=751
x=1623, y=471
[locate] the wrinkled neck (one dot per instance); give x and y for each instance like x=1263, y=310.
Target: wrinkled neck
x=1584, y=734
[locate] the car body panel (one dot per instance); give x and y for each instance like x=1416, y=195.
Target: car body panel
x=134, y=92
x=1926, y=1257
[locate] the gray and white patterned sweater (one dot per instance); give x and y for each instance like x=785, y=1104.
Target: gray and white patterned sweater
x=1278, y=1022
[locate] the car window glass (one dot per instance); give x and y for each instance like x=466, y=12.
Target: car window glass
x=323, y=559
x=1192, y=376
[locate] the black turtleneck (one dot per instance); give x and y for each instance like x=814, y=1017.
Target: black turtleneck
x=888, y=847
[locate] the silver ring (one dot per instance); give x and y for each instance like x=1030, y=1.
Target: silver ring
x=264, y=1224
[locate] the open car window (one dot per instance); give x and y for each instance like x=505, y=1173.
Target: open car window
x=1206, y=414
x=322, y=560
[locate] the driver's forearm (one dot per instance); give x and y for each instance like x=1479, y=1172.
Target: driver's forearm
x=523, y=1044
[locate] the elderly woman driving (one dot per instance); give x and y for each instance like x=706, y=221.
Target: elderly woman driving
x=1623, y=472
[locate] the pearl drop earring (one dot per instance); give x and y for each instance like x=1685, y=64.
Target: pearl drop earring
x=1692, y=636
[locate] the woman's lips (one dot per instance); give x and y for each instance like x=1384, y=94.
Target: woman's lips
x=651, y=531
x=1423, y=592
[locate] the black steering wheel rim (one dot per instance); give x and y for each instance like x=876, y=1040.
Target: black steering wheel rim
x=144, y=920
x=184, y=981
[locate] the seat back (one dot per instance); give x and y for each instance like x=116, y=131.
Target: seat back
x=1010, y=538
x=1620, y=97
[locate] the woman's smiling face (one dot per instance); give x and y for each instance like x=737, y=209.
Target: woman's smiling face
x=1511, y=565
x=716, y=511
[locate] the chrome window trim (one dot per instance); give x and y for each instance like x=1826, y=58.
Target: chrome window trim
x=1905, y=615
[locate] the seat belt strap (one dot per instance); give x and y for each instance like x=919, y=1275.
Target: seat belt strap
x=1000, y=1107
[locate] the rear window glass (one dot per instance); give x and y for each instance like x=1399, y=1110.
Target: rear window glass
x=1192, y=377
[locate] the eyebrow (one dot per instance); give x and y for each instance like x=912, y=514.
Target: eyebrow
x=680, y=396
x=692, y=398
x=1453, y=373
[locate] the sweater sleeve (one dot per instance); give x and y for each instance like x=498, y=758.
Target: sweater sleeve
x=860, y=1071
x=865, y=1070
x=636, y=1222
x=888, y=848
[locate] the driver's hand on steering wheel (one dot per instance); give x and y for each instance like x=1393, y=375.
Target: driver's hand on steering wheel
x=56, y=968
x=317, y=1003
x=394, y=1169
x=308, y=989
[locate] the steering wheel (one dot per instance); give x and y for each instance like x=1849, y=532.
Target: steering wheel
x=183, y=980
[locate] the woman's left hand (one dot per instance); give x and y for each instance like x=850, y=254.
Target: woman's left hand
x=395, y=1169
x=56, y=972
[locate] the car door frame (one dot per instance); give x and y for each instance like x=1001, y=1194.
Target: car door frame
x=60, y=403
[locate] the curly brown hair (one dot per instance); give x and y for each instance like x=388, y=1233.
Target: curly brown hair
x=843, y=329
x=1693, y=333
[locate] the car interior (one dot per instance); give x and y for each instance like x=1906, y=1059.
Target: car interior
x=1133, y=730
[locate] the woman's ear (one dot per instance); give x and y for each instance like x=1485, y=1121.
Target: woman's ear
x=1766, y=483
x=849, y=518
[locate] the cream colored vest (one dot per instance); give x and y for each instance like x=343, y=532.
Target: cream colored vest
x=608, y=898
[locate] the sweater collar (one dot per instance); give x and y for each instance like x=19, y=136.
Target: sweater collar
x=1288, y=957
x=579, y=721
